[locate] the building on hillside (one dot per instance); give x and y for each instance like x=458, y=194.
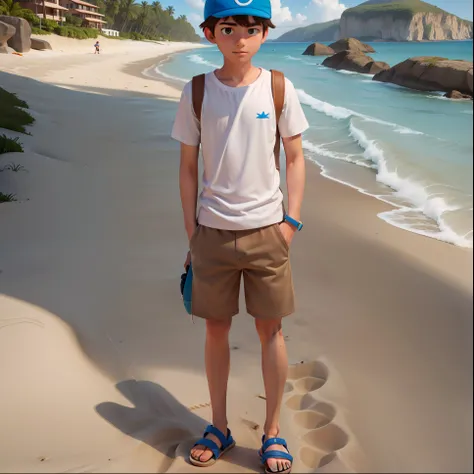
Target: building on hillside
x=87, y=12
x=53, y=10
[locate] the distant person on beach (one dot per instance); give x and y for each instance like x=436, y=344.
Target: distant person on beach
x=237, y=114
x=97, y=48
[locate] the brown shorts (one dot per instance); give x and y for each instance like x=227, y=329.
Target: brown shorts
x=221, y=257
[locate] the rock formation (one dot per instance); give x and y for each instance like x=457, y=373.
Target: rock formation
x=457, y=95
x=318, y=49
x=40, y=44
x=431, y=74
x=20, y=41
x=351, y=44
x=356, y=62
x=6, y=32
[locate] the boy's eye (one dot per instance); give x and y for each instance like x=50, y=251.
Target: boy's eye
x=227, y=31
x=253, y=31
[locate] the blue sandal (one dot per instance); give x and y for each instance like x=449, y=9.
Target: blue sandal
x=266, y=455
x=227, y=443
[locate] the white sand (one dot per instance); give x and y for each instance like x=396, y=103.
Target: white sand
x=101, y=369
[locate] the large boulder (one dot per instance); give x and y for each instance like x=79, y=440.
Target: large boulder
x=6, y=32
x=355, y=62
x=318, y=49
x=20, y=41
x=430, y=74
x=376, y=66
x=351, y=44
x=40, y=44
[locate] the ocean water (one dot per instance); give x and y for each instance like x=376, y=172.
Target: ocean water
x=411, y=149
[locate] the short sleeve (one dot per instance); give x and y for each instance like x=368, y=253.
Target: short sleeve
x=293, y=120
x=186, y=125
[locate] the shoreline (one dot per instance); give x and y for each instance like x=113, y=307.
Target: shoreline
x=151, y=71
x=91, y=258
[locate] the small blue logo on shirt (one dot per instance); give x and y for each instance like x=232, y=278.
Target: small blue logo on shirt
x=263, y=116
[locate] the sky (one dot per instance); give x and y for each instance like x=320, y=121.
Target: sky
x=290, y=14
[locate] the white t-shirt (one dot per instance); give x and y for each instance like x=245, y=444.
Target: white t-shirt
x=241, y=185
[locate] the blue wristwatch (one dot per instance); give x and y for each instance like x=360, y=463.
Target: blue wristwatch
x=294, y=222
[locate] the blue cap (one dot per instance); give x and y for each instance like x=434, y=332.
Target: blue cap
x=225, y=8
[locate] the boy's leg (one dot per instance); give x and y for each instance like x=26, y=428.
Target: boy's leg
x=270, y=297
x=275, y=371
x=217, y=370
x=216, y=287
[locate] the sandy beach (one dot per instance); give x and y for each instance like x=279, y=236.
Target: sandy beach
x=102, y=370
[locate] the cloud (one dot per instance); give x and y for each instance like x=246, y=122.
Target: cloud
x=280, y=14
x=299, y=18
x=326, y=10
x=196, y=4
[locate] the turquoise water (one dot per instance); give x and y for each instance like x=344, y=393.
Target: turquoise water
x=411, y=149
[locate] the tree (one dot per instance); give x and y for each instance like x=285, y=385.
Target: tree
x=143, y=15
x=146, y=20
x=10, y=8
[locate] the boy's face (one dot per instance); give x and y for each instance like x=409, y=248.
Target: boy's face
x=238, y=44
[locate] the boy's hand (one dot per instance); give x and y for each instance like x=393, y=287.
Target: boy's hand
x=288, y=232
x=188, y=260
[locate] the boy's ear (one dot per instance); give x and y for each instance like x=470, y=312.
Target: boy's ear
x=209, y=36
x=265, y=36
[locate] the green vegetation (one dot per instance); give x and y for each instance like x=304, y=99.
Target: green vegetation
x=12, y=113
x=7, y=197
x=427, y=32
x=148, y=21
x=401, y=9
x=10, y=145
x=318, y=32
x=140, y=21
x=10, y=8
x=433, y=61
x=71, y=28
x=13, y=167
x=73, y=20
x=37, y=31
x=75, y=32
x=12, y=117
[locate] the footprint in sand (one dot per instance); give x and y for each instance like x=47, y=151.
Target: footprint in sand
x=321, y=437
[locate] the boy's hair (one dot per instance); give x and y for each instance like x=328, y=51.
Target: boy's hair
x=241, y=20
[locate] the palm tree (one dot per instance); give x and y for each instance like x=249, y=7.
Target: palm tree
x=10, y=8
x=126, y=7
x=170, y=10
x=145, y=8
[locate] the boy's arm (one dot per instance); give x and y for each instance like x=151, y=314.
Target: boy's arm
x=295, y=182
x=188, y=184
x=295, y=174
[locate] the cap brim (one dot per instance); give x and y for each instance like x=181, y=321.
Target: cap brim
x=243, y=11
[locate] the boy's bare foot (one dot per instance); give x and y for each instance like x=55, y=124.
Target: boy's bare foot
x=203, y=454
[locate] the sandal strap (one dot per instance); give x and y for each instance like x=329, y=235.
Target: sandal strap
x=277, y=455
x=270, y=441
x=224, y=440
x=209, y=444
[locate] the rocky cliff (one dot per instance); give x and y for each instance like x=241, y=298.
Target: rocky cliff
x=391, y=27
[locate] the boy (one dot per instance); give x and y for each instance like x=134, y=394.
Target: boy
x=97, y=48
x=242, y=228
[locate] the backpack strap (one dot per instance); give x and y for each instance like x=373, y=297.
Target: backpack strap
x=278, y=92
x=198, y=86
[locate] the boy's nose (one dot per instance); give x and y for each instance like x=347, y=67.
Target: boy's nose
x=240, y=42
